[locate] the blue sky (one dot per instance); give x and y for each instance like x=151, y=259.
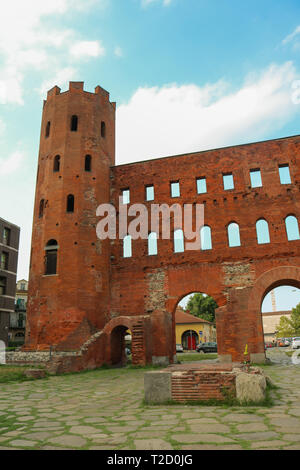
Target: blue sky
x=196, y=74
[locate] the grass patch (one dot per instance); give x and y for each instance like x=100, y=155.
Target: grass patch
x=13, y=373
x=195, y=357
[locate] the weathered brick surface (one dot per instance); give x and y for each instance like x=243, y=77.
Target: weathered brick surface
x=97, y=289
x=59, y=305
x=202, y=386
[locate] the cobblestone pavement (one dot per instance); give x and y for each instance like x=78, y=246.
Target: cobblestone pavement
x=104, y=409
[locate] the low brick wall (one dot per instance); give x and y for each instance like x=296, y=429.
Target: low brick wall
x=188, y=383
x=197, y=385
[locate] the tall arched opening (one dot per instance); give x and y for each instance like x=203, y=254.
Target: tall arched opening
x=276, y=312
x=195, y=321
x=118, y=345
x=286, y=278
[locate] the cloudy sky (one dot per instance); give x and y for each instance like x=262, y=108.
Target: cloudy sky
x=187, y=75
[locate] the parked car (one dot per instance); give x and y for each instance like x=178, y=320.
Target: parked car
x=179, y=348
x=296, y=343
x=269, y=345
x=207, y=347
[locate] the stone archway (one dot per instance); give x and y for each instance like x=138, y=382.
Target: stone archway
x=270, y=280
x=117, y=345
x=115, y=331
x=276, y=277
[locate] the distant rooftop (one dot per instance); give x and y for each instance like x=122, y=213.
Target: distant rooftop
x=183, y=317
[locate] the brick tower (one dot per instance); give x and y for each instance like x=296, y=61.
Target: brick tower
x=69, y=268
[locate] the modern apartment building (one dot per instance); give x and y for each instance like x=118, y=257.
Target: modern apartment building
x=9, y=249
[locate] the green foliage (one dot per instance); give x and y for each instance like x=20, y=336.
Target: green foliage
x=289, y=326
x=202, y=306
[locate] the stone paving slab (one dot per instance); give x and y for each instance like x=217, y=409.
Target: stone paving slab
x=104, y=410
x=152, y=444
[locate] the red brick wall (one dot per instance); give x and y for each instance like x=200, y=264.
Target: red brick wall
x=154, y=284
x=58, y=305
x=202, y=386
x=96, y=286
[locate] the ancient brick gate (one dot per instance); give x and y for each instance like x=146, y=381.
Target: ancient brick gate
x=87, y=286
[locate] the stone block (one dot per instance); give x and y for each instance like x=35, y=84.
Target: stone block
x=250, y=387
x=157, y=387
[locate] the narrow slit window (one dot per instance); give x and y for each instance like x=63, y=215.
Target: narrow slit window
x=56, y=164
x=201, y=186
x=41, y=208
x=103, y=129
x=70, y=203
x=88, y=163
x=284, y=174
x=74, y=123
x=228, y=181
x=152, y=244
x=205, y=238
x=255, y=177
x=126, y=196
x=175, y=189
x=51, y=257
x=127, y=247
x=47, y=132
x=292, y=228
x=234, y=235
x=262, y=232
x=149, y=193
x=178, y=241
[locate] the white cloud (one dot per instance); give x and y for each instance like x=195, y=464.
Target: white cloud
x=179, y=119
x=292, y=36
x=85, y=49
x=60, y=78
x=28, y=42
x=118, y=51
x=165, y=3
x=11, y=164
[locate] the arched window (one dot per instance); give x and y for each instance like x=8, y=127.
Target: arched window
x=103, y=129
x=205, y=237
x=88, y=163
x=234, y=235
x=47, y=133
x=262, y=232
x=292, y=228
x=70, y=203
x=56, y=164
x=178, y=241
x=41, y=209
x=51, y=257
x=152, y=243
x=127, y=247
x=74, y=123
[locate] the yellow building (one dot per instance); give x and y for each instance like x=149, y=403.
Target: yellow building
x=191, y=330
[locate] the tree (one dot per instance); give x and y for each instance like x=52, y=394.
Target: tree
x=202, y=306
x=289, y=326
